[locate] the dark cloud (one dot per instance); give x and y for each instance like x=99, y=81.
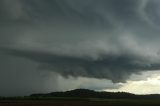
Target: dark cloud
x=107, y=66
x=106, y=39
x=20, y=77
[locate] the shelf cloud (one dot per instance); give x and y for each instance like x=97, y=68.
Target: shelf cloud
x=106, y=39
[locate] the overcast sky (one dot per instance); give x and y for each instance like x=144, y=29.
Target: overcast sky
x=56, y=45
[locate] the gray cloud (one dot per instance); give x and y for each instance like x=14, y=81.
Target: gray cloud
x=19, y=77
x=105, y=39
x=106, y=66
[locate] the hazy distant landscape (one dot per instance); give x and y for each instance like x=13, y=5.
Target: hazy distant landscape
x=82, y=97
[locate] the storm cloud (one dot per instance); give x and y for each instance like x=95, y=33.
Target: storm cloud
x=106, y=39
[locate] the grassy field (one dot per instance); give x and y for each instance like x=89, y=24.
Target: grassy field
x=78, y=102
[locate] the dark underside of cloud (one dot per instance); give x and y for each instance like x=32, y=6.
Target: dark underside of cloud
x=115, y=68
x=106, y=39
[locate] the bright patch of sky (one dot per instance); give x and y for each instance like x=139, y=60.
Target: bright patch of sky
x=149, y=85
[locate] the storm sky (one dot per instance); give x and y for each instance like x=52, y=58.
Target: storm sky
x=56, y=45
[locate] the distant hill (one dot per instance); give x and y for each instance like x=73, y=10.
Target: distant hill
x=86, y=93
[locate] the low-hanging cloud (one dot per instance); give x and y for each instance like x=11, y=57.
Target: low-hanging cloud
x=106, y=39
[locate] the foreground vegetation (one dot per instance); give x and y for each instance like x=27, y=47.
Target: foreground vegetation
x=80, y=102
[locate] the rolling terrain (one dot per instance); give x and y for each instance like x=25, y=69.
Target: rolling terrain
x=82, y=97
